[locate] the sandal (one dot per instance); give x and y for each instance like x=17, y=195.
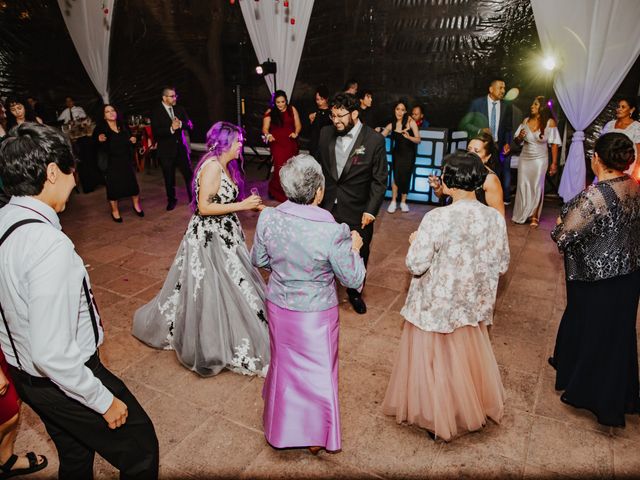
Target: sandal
x=7, y=472
x=534, y=223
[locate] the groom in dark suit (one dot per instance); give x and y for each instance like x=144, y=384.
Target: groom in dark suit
x=354, y=163
x=493, y=115
x=168, y=123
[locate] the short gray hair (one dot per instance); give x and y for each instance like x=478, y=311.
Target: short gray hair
x=300, y=178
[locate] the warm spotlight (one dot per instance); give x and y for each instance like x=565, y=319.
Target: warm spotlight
x=549, y=63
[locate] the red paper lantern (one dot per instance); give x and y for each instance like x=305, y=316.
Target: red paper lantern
x=293, y=21
x=106, y=11
x=286, y=3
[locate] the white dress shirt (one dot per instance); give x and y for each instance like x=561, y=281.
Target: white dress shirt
x=489, y=107
x=44, y=303
x=78, y=112
x=172, y=114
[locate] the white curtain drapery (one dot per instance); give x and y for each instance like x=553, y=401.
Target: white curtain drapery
x=90, y=30
x=596, y=43
x=274, y=37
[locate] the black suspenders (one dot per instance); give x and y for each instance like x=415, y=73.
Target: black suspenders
x=90, y=303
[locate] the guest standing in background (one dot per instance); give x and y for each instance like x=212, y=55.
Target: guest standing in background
x=492, y=114
x=404, y=139
x=116, y=141
x=210, y=309
x=627, y=122
x=169, y=123
x=445, y=377
x=417, y=113
x=596, y=353
x=280, y=128
x=354, y=164
x=351, y=87
x=536, y=134
x=304, y=248
x=18, y=111
x=319, y=119
x=490, y=193
x=72, y=112
x=366, y=107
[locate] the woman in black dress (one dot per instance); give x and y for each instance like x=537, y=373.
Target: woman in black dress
x=115, y=140
x=404, y=136
x=596, y=356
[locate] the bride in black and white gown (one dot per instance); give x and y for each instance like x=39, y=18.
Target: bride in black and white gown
x=211, y=307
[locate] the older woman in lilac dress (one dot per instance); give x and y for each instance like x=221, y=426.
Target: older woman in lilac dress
x=305, y=249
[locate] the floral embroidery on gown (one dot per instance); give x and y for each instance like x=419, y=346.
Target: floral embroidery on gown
x=211, y=307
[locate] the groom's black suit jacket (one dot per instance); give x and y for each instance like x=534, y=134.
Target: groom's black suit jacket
x=363, y=182
x=168, y=143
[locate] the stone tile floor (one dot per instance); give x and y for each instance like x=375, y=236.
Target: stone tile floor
x=211, y=428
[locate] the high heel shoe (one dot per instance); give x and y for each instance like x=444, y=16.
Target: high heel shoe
x=139, y=213
x=117, y=220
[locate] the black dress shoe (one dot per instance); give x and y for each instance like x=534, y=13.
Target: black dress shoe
x=171, y=204
x=117, y=220
x=358, y=305
x=139, y=213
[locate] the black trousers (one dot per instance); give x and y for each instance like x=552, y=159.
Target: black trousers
x=78, y=432
x=183, y=164
x=367, y=235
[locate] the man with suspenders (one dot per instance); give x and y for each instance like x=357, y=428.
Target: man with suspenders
x=51, y=329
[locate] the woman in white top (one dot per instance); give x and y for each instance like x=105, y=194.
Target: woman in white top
x=538, y=131
x=626, y=113
x=445, y=377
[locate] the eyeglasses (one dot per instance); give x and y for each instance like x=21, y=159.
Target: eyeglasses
x=335, y=117
x=172, y=96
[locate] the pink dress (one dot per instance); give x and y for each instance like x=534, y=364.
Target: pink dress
x=305, y=249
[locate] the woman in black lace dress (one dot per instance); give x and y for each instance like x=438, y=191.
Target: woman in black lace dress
x=595, y=356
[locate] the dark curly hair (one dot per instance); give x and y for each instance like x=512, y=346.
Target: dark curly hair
x=463, y=170
x=616, y=151
x=25, y=154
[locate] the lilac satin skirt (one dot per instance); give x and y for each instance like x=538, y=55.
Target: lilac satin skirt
x=301, y=389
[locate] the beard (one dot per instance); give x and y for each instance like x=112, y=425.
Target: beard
x=347, y=128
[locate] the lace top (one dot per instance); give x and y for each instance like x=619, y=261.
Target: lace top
x=600, y=231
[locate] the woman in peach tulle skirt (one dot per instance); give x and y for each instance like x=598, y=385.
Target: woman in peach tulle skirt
x=446, y=378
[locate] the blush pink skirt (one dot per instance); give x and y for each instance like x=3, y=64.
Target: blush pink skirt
x=301, y=388
x=447, y=383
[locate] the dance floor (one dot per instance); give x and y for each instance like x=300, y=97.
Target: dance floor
x=212, y=427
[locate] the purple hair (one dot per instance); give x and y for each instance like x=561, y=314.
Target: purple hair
x=220, y=138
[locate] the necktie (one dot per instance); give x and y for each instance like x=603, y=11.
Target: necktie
x=70, y=114
x=173, y=116
x=492, y=122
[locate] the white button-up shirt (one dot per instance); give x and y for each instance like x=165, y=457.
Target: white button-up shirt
x=44, y=304
x=78, y=113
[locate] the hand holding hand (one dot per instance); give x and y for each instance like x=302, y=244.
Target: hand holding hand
x=356, y=241
x=117, y=414
x=102, y=137
x=366, y=219
x=412, y=237
x=251, y=202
